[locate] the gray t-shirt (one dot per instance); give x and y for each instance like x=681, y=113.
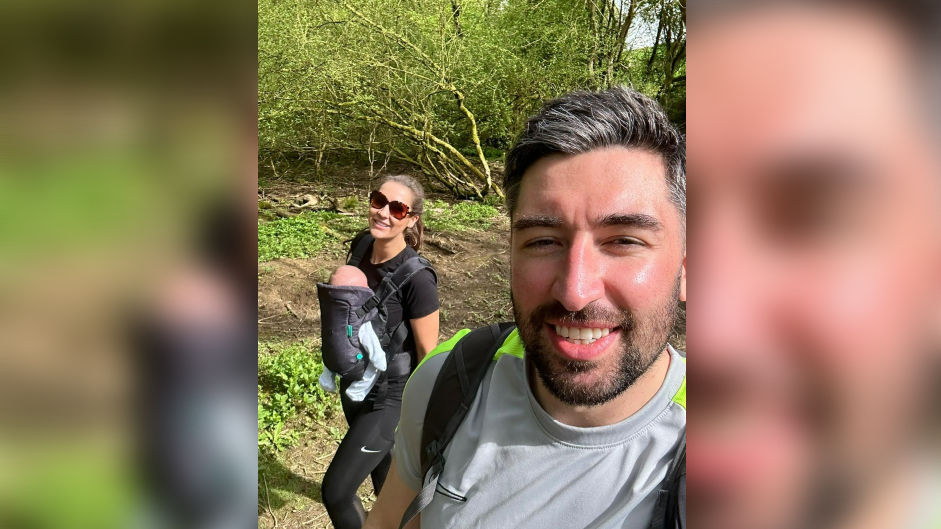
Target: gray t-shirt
x=510, y=464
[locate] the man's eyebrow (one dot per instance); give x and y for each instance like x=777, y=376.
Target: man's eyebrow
x=537, y=221
x=635, y=220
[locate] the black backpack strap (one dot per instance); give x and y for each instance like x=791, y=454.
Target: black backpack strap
x=670, y=510
x=451, y=398
x=392, y=340
x=393, y=282
x=681, y=498
x=360, y=250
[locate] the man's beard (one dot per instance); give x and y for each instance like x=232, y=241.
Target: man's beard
x=638, y=346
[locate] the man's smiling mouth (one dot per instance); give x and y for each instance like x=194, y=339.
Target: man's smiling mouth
x=582, y=335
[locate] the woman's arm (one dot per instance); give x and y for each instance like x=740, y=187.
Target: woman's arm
x=395, y=498
x=425, y=331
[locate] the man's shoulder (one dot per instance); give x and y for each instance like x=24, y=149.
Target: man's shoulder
x=427, y=371
x=511, y=345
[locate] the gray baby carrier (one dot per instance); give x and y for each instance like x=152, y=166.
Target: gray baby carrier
x=344, y=309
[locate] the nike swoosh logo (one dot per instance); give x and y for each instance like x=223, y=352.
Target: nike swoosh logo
x=363, y=449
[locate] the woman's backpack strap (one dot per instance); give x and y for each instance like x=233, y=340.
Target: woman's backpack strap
x=391, y=340
x=359, y=251
x=393, y=282
x=452, y=396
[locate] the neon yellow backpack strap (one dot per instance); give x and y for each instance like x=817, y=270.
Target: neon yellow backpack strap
x=511, y=346
x=444, y=347
x=680, y=397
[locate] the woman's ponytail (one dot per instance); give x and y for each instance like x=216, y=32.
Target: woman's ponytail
x=413, y=235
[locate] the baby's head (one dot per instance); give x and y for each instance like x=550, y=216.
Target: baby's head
x=349, y=276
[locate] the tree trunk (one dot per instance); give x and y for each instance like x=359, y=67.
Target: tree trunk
x=456, y=16
x=656, y=42
x=621, y=40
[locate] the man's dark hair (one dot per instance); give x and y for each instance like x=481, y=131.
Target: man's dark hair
x=580, y=122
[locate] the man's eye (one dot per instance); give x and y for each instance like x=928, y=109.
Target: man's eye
x=540, y=243
x=627, y=241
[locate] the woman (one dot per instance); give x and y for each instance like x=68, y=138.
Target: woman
x=367, y=447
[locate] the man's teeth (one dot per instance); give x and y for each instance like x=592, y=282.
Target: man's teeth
x=581, y=335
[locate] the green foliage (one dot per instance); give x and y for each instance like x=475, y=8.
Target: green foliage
x=300, y=236
x=372, y=79
x=345, y=226
x=463, y=216
x=288, y=389
x=304, y=235
x=349, y=203
x=494, y=200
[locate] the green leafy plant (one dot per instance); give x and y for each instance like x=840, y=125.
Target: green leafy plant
x=349, y=203
x=288, y=390
x=304, y=235
x=463, y=216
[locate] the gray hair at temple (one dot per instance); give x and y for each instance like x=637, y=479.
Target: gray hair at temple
x=580, y=122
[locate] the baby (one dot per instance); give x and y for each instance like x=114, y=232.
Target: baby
x=348, y=276
x=349, y=344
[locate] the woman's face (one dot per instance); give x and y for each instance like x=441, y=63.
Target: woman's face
x=383, y=225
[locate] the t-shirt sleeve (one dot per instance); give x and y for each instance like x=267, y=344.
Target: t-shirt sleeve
x=420, y=295
x=407, y=449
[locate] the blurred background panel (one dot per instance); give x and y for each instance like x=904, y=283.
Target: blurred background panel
x=127, y=164
x=815, y=245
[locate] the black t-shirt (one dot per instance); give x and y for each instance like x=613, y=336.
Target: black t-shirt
x=418, y=298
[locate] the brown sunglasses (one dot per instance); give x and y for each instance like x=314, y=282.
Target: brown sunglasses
x=397, y=209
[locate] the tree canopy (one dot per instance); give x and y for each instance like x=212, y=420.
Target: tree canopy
x=445, y=85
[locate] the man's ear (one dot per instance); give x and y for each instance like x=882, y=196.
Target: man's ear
x=683, y=281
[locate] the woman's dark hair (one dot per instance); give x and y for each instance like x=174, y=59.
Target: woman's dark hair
x=413, y=235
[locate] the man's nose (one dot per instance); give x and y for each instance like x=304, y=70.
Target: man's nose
x=579, y=282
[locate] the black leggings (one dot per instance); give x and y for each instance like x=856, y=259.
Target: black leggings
x=365, y=450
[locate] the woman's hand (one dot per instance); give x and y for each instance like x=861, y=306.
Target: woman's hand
x=425, y=331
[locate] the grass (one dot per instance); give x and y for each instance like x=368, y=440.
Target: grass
x=289, y=395
x=304, y=235
x=463, y=216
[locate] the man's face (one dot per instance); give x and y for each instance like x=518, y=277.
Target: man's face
x=813, y=205
x=597, y=254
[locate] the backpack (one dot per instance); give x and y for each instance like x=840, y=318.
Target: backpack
x=452, y=396
x=345, y=309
